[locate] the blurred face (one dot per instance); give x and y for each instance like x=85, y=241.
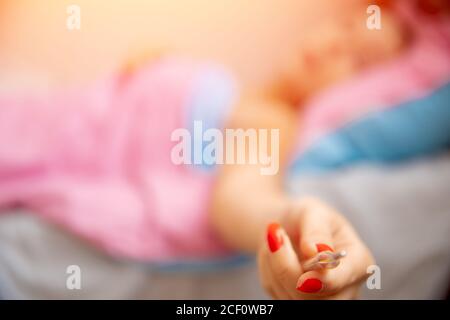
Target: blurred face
x=253, y=38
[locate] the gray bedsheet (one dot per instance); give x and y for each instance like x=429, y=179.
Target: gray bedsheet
x=402, y=212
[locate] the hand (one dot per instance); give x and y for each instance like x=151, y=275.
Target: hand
x=309, y=227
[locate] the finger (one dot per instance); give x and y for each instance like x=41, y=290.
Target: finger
x=264, y=274
x=309, y=288
x=283, y=260
x=351, y=271
x=315, y=229
x=311, y=283
x=349, y=293
x=270, y=283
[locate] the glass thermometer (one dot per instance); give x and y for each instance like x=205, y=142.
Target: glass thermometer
x=324, y=260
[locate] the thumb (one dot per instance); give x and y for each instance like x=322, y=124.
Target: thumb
x=315, y=232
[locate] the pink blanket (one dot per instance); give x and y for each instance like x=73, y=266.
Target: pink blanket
x=97, y=162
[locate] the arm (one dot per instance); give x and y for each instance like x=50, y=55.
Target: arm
x=244, y=201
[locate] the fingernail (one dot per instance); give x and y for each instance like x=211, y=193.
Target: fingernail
x=274, y=239
x=323, y=247
x=310, y=286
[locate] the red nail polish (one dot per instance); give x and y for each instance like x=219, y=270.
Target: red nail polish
x=310, y=286
x=274, y=240
x=323, y=247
